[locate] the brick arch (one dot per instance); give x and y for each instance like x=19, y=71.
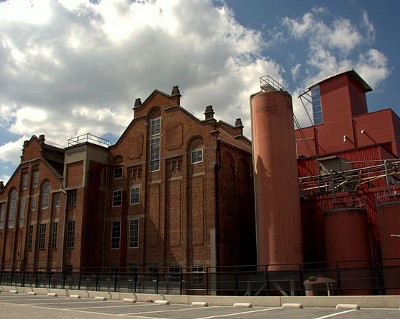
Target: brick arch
x=154, y=112
x=195, y=142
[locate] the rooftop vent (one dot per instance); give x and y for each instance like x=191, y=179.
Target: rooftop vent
x=267, y=83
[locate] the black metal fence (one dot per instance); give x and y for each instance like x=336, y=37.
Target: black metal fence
x=341, y=278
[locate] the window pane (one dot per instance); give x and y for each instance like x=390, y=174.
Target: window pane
x=45, y=195
x=197, y=156
x=12, y=208
x=117, y=198
x=57, y=199
x=35, y=181
x=22, y=213
x=135, y=195
x=71, y=234
x=54, y=236
x=118, y=172
x=115, y=234
x=42, y=236
x=30, y=238
x=71, y=198
x=2, y=214
x=134, y=233
x=316, y=105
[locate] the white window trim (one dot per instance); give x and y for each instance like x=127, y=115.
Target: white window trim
x=130, y=194
x=112, y=201
x=138, y=233
x=191, y=156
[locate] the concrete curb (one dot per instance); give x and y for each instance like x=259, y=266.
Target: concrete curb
x=243, y=305
x=347, y=306
x=129, y=300
x=33, y=293
x=52, y=294
x=199, y=304
x=100, y=298
x=292, y=306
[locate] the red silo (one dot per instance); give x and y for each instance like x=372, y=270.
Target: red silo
x=278, y=218
x=389, y=225
x=348, y=248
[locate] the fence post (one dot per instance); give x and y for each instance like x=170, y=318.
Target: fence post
x=97, y=282
x=302, y=289
x=181, y=282
x=115, y=280
x=267, y=279
x=79, y=279
x=207, y=278
x=236, y=281
x=338, y=277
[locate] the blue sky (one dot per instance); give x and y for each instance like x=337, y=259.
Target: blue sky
x=70, y=67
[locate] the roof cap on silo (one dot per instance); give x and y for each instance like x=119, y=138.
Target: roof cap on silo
x=267, y=83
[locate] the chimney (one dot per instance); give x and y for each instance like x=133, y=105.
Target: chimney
x=209, y=113
x=175, y=90
x=238, y=123
x=138, y=103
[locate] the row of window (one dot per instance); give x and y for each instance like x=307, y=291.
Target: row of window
x=35, y=179
x=71, y=201
x=134, y=196
x=70, y=240
x=133, y=234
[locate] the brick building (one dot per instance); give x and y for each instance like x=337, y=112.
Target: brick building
x=174, y=191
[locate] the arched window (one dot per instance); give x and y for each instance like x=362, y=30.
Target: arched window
x=45, y=195
x=12, y=208
x=196, y=151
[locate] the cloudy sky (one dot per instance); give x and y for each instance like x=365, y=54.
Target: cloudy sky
x=70, y=67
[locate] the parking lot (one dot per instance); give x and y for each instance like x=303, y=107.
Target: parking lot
x=23, y=306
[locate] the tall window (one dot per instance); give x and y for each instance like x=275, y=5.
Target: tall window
x=30, y=238
x=155, y=137
x=35, y=180
x=115, y=234
x=71, y=234
x=42, y=236
x=134, y=233
x=54, y=235
x=12, y=208
x=24, y=180
x=135, y=195
x=45, y=195
x=198, y=275
x=117, y=198
x=118, y=172
x=316, y=105
x=22, y=212
x=71, y=198
x=33, y=204
x=57, y=199
x=2, y=214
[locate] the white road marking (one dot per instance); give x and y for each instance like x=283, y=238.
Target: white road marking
x=335, y=314
x=239, y=313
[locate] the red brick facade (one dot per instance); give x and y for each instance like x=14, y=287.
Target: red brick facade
x=174, y=191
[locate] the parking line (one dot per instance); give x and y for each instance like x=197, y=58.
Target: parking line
x=158, y=311
x=238, y=313
x=335, y=314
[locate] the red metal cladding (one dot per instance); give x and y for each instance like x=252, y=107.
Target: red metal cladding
x=348, y=249
x=278, y=216
x=389, y=224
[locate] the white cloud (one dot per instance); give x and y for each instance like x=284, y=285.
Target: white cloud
x=80, y=69
x=333, y=48
x=11, y=151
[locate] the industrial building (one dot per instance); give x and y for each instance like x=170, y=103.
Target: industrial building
x=174, y=191
x=178, y=192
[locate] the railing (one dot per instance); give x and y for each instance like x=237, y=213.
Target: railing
x=87, y=138
x=337, y=278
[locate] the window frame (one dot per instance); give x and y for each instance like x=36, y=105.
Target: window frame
x=134, y=195
x=35, y=178
x=12, y=209
x=195, y=158
x=56, y=199
x=133, y=237
x=316, y=105
x=155, y=144
x=54, y=235
x=70, y=234
x=2, y=214
x=29, y=240
x=45, y=195
x=115, y=234
x=118, y=172
x=71, y=197
x=117, y=199
x=42, y=236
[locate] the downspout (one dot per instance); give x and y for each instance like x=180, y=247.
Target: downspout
x=104, y=218
x=217, y=167
x=64, y=226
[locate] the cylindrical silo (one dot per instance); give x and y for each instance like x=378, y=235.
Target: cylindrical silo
x=278, y=218
x=348, y=248
x=389, y=224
